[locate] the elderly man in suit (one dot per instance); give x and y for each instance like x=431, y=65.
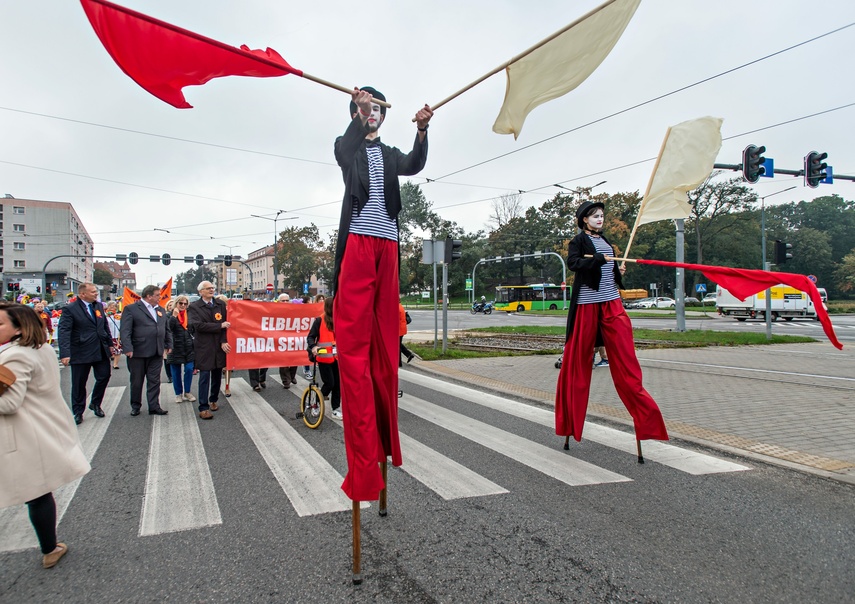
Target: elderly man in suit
x=144, y=340
x=84, y=343
x=208, y=324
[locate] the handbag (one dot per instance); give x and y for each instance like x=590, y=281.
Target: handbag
x=409, y=318
x=7, y=378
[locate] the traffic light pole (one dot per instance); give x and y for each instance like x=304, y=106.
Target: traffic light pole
x=44, y=268
x=738, y=167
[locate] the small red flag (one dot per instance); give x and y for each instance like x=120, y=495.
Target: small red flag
x=745, y=282
x=164, y=58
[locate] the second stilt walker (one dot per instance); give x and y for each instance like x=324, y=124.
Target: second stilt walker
x=597, y=317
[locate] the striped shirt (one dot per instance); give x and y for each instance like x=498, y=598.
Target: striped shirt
x=608, y=289
x=374, y=220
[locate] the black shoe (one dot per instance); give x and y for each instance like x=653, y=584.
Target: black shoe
x=257, y=388
x=97, y=410
x=263, y=384
x=157, y=411
x=78, y=418
x=293, y=380
x=135, y=412
x=410, y=358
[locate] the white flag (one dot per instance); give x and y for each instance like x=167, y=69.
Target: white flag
x=562, y=63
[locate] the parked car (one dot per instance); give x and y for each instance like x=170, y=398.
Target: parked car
x=691, y=300
x=709, y=298
x=642, y=303
x=658, y=302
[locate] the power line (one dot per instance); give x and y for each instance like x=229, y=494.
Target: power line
x=647, y=102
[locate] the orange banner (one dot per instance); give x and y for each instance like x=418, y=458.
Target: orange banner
x=129, y=297
x=267, y=334
x=165, y=293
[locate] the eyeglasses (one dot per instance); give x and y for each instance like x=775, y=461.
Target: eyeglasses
x=182, y=304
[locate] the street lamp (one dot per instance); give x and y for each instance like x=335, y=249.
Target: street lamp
x=275, y=240
x=230, y=247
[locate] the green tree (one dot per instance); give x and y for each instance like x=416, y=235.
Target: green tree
x=298, y=255
x=102, y=277
x=717, y=207
x=189, y=280
x=844, y=274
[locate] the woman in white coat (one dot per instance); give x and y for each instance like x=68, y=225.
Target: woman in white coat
x=39, y=445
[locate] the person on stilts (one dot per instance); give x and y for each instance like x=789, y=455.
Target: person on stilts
x=597, y=318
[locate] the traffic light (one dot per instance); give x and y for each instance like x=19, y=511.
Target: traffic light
x=781, y=252
x=752, y=163
x=133, y=257
x=452, y=249
x=114, y=289
x=166, y=259
x=815, y=168
x=227, y=260
x=200, y=260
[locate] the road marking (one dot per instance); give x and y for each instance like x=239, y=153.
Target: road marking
x=16, y=532
x=179, y=490
x=308, y=480
x=442, y=475
x=748, y=369
x=678, y=458
x=551, y=462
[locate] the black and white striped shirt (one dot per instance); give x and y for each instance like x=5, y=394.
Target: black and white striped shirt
x=608, y=289
x=374, y=220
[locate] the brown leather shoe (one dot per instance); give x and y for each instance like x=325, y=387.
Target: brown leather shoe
x=206, y=414
x=50, y=560
x=214, y=406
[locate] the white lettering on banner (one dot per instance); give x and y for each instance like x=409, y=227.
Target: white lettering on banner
x=286, y=323
x=244, y=345
x=286, y=344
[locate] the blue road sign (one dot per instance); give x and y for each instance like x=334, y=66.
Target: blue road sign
x=305, y=288
x=829, y=176
x=769, y=164
x=701, y=288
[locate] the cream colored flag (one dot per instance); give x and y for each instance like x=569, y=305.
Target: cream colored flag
x=562, y=63
x=686, y=159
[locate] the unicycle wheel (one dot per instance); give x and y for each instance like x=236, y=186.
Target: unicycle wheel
x=312, y=406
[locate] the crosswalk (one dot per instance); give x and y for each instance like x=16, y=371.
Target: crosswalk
x=180, y=493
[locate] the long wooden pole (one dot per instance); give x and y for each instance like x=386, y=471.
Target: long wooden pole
x=383, y=470
x=521, y=55
x=232, y=49
x=357, y=549
x=646, y=193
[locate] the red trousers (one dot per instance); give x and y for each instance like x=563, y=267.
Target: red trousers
x=365, y=316
x=574, y=380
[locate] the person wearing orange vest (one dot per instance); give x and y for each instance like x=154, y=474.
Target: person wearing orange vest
x=321, y=344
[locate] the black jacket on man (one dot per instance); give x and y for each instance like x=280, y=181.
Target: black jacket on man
x=141, y=333
x=589, y=271
x=205, y=324
x=82, y=339
x=353, y=161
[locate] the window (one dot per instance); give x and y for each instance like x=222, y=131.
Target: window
x=19, y=228
x=17, y=210
x=20, y=264
x=20, y=245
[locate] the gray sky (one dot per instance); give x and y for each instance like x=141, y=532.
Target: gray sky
x=416, y=53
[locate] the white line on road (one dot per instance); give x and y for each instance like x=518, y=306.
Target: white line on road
x=310, y=482
x=16, y=532
x=678, y=458
x=549, y=461
x=179, y=490
x=748, y=369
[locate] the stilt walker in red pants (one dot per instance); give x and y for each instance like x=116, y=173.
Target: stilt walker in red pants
x=597, y=318
x=366, y=289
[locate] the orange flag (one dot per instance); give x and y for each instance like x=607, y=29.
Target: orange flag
x=165, y=293
x=129, y=297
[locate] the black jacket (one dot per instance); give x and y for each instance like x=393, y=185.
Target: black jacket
x=141, y=333
x=589, y=271
x=353, y=161
x=206, y=326
x=182, y=343
x=80, y=338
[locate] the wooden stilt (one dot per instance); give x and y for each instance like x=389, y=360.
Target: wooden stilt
x=567, y=443
x=638, y=445
x=383, y=469
x=357, y=549
x=227, y=391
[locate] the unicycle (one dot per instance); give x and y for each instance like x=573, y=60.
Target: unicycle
x=312, y=403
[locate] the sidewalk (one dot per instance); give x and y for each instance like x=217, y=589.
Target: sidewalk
x=788, y=404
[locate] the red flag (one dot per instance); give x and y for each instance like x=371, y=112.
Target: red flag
x=164, y=58
x=745, y=282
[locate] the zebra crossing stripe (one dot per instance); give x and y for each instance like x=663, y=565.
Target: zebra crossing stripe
x=551, y=462
x=691, y=462
x=16, y=532
x=308, y=480
x=179, y=490
x=442, y=475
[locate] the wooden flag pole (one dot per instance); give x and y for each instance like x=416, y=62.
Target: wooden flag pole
x=521, y=55
x=340, y=88
x=646, y=193
x=227, y=391
x=357, y=550
x=383, y=467
x=610, y=258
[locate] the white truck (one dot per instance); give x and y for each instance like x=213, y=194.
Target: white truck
x=787, y=303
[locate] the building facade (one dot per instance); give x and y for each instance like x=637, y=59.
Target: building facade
x=229, y=279
x=123, y=277
x=44, y=247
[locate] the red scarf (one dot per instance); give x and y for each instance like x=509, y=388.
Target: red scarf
x=182, y=318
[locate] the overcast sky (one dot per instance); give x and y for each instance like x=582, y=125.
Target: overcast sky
x=125, y=185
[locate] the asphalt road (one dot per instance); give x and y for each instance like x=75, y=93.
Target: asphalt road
x=497, y=512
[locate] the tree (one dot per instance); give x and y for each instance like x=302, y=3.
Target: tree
x=189, y=280
x=844, y=274
x=504, y=209
x=102, y=277
x=717, y=207
x=298, y=255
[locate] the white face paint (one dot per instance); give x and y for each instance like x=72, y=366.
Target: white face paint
x=595, y=220
x=375, y=119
